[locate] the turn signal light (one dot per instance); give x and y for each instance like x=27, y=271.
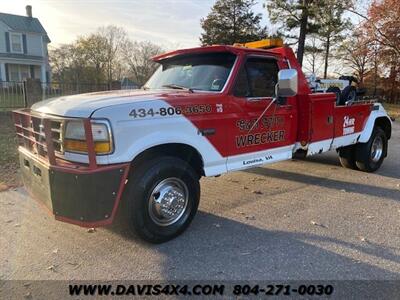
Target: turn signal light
x=81, y=146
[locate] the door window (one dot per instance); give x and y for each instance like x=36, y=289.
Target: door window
x=257, y=78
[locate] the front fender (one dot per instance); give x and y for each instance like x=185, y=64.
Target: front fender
x=132, y=135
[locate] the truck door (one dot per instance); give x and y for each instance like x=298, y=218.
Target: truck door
x=322, y=126
x=271, y=139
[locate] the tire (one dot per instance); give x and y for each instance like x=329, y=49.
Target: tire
x=336, y=91
x=299, y=154
x=370, y=155
x=160, y=179
x=349, y=93
x=347, y=157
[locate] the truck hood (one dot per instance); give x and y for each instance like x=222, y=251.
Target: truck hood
x=83, y=105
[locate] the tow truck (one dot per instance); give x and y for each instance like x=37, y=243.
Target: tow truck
x=206, y=111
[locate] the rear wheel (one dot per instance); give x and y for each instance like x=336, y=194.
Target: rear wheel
x=370, y=155
x=162, y=198
x=347, y=157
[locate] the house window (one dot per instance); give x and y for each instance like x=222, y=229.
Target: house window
x=16, y=42
x=18, y=73
x=14, y=72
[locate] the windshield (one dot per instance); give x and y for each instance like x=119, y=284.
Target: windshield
x=205, y=72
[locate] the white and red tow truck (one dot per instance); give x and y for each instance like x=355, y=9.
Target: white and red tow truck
x=206, y=111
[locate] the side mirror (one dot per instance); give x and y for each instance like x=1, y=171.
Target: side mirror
x=287, y=83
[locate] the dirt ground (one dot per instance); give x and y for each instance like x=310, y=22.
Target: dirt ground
x=9, y=166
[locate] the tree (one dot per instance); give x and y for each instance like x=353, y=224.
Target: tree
x=312, y=52
x=331, y=24
x=92, y=59
x=375, y=55
x=94, y=50
x=293, y=15
x=137, y=56
x=382, y=23
x=355, y=51
x=58, y=59
x=69, y=65
x=115, y=38
x=232, y=21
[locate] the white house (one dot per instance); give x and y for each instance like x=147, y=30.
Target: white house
x=23, y=48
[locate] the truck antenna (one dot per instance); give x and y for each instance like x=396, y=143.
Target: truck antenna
x=265, y=110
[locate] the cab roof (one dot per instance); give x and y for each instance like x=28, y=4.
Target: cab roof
x=270, y=46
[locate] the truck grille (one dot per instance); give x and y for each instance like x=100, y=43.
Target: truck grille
x=56, y=134
x=42, y=135
x=31, y=133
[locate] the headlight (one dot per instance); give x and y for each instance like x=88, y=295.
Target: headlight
x=75, y=140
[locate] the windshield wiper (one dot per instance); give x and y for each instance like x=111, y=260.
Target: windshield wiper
x=177, y=87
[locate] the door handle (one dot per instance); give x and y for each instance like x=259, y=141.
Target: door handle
x=258, y=99
x=207, y=131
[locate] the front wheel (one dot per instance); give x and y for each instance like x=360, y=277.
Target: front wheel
x=370, y=155
x=162, y=198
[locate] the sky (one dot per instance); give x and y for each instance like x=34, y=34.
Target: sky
x=170, y=23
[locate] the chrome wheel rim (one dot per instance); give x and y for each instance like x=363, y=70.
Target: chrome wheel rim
x=168, y=201
x=377, y=149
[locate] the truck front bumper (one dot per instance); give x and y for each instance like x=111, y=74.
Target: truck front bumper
x=84, y=197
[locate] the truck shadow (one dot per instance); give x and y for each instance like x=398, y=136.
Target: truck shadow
x=388, y=168
x=215, y=247
x=359, y=188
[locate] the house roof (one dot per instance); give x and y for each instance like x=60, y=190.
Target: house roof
x=23, y=24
